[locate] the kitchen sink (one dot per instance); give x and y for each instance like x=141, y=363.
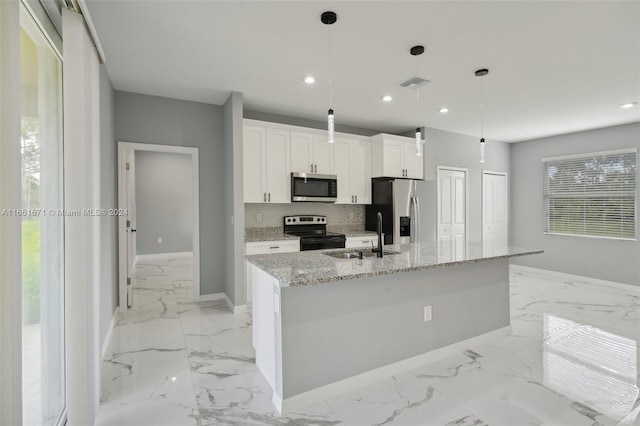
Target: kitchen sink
x=356, y=255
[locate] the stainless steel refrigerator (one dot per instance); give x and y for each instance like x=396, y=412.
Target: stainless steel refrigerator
x=397, y=201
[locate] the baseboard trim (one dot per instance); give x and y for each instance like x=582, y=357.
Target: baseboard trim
x=564, y=275
x=235, y=309
x=210, y=297
x=161, y=256
x=107, y=337
x=367, y=378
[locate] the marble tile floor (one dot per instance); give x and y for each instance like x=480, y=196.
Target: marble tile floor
x=571, y=359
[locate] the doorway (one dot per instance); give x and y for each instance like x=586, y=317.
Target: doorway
x=167, y=209
x=452, y=212
x=494, y=211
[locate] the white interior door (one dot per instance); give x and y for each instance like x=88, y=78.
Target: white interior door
x=452, y=213
x=131, y=222
x=494, y=211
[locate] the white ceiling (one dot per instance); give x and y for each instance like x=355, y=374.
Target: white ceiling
x=555, y=67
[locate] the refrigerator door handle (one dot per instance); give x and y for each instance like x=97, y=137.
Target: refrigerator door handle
x=414, y=213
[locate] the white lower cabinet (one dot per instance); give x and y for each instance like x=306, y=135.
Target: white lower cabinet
x=266, y=247
x=353, y=242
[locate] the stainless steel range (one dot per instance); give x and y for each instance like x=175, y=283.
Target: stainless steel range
x=312, y=231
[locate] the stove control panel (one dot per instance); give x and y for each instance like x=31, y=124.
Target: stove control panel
x=305, y=220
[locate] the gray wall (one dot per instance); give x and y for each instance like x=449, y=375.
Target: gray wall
x=157, y=120
x=456, y=150
x=234, y=199
x=164, y=202
x=303, y=122
x=612, y=260
x=108, y=225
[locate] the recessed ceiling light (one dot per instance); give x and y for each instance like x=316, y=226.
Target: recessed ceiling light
x=387, y=98
x=309, y=80
x=444, y=110
x=628, y=105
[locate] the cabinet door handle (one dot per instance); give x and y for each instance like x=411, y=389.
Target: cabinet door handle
x=274, y=247
x=311, y=168
x=352, y=198
x=356, y=198
x=315, y=168
x=264, y=197
x=269, y=197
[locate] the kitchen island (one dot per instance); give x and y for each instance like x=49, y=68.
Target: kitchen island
x=320, y=319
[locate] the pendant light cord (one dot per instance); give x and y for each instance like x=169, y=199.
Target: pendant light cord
x=481, y=108
x=417, y=76
x=330, y=69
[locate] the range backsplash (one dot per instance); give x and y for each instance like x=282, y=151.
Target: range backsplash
x=272, y=214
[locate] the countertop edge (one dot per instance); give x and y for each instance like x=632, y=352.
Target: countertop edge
x=299, y=283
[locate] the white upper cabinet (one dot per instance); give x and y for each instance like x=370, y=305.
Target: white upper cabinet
x=352, y=160
x=267, y=165
x=273, y=151
x=255, y=180
x=311, y=153
x=322, y=155
x=342, y=170
x=301, y=154
x=278, y=166
x=413, y=164
x=395, y=156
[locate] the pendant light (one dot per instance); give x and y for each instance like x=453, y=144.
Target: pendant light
x=417, y=51
x=481, y=73
x=329, y=18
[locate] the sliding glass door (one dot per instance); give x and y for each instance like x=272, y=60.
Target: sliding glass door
x=43, y=348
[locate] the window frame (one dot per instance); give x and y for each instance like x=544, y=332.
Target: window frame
x=545, y=194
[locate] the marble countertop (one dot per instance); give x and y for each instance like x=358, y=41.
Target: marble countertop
x=254, y=235
x=315, y=267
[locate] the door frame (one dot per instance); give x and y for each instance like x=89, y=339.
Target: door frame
x=466, y=199
x=123, y=148
x=506, y=188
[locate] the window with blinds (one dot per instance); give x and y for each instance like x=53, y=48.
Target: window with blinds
x=591, y=195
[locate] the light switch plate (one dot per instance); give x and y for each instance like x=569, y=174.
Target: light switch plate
x=258, y=217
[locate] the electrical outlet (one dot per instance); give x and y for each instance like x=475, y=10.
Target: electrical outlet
x=352, y=215
x=159, y=240
x=258, y=217
x=428, y=316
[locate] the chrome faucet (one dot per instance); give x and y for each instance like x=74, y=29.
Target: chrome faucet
x=379, y=229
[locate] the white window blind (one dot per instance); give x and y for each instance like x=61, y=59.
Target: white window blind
x=591, y=194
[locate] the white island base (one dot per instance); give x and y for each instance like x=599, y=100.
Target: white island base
x=317, y=339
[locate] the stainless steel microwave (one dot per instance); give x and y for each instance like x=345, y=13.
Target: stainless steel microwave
x=312, y=187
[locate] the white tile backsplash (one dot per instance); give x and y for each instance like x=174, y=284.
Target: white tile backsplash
x=272, y=214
